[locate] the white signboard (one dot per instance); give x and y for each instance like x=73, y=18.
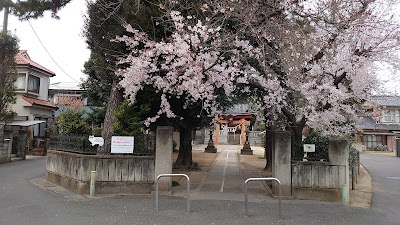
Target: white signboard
x=122, y=144
x=309, y=148
x=96, y=140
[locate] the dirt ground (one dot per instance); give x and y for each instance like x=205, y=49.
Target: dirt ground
x=362, y=195
x=203, y=159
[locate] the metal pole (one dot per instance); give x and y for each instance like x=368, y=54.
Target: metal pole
x=280, y=198
x=188, y=195
x=245, y=198
x=157, y=193
x=92, y=183
x=263, y=179
x=187, y=188
x=5, y=21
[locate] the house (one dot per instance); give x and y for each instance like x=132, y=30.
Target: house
x=381, y=128
x=68, y=99
x=32, y=87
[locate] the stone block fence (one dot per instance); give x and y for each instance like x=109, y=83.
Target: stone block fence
x=313, y=180
x=115, y=173
x=122, y=174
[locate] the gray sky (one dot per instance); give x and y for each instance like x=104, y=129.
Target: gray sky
x=64, y=41
x=62, y=38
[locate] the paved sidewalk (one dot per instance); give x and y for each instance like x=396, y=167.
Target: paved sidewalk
x=225, y=180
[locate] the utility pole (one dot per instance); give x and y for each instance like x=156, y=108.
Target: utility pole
x=5, y=21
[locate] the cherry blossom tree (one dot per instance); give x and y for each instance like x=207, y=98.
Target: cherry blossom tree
x=321, y=54
x=194, y=63
x=311, y=62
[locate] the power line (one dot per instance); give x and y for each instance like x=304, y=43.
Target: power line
x=49, y=53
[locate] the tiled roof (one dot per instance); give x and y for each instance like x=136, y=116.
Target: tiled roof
x=35, y=101
x=22, y=59
x=367, y=123
x=386, y=100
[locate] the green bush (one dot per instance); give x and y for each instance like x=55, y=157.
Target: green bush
x=129, y=124
x=72, y=122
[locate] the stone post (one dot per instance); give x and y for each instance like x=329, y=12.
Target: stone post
x=163, y=161
x=22, y=139
x=210, y=147
x=281, y=162
x=246, y=150
x=5, y=147
x=338, y=153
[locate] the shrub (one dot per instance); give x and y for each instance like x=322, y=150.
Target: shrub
x=71, y=122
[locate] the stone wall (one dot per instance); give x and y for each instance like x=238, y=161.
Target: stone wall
x=122, y=174
x=5, y=146
x=317, y=180
x=322, y=180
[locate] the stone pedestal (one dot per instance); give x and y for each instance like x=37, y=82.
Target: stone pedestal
x=163, y=161
x=246, y=150
x=281, y=162
x=210, y=148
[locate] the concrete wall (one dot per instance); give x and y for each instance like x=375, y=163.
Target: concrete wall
x=323, y=180
x=317, y=180
x=122, y=174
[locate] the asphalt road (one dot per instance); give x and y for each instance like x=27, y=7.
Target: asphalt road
x=385, y=172
x=24, y=203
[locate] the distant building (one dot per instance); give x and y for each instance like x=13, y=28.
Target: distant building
x=382, y=126
x=68, y=99
x=32, y=87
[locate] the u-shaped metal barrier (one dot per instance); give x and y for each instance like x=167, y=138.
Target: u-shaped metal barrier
x=187, y=188
x=263, y=179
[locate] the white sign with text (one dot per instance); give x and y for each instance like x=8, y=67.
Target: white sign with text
x=122, y=144
x=309, y=148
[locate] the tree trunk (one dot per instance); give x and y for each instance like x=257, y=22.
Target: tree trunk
x=115, y=100
x=268, y=141
x=297, y=142
x=184, y=159
x=268, y=149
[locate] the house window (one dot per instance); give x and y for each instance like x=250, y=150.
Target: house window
x=34, y=84
x=391, y=116
x=20, y=84
x=371, y=141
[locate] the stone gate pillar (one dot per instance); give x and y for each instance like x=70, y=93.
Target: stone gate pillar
x=282, y=162
x=338, y=153
x=163, y=161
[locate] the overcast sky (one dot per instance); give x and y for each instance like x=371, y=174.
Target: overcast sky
x=64, y=41
x=62, y=38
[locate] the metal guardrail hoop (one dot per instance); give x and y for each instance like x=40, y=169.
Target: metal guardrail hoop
x=263, y=179
x=187, y=188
